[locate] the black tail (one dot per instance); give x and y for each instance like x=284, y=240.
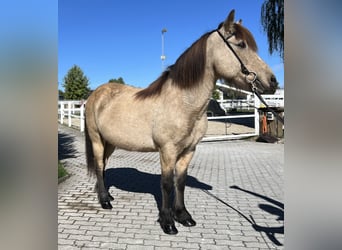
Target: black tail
x=89, y=151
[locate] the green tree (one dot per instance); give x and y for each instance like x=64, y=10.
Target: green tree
x=76, y=84
x=119, y=80
x=272, y=21
x=60, y=94
x=216, y=94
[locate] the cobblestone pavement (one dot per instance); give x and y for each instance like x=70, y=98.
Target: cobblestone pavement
x=234, y=192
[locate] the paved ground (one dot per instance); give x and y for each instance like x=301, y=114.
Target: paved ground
x=234, y=192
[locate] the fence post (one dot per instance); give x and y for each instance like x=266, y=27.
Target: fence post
x=256, y=115
x=82, y=117
x=69, y=113
x=62, y=112
x=73, y=107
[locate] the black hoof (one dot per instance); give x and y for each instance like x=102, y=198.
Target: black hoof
x=169, y=229
x=106, y=205
x=110, y=197
x=167, y=222
x=188, y=222
x=183, y=217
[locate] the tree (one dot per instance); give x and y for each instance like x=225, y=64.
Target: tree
x=76, y=84
x=216, y=94
x=272, y=20
x=119, y=80
x=60, y=95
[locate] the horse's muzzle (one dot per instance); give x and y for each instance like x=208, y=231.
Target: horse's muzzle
x=267, y=89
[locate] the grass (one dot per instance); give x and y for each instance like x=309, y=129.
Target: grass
x=61, y=170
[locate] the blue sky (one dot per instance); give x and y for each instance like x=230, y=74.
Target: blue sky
x=112, y=38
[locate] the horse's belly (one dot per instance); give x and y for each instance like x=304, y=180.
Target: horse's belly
x=129, y=137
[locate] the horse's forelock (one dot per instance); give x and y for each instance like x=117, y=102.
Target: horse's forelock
x=244, y=34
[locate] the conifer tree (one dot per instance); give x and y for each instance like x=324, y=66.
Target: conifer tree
x=76, y=84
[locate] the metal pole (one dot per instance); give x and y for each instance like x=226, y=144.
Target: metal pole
x=162, y=55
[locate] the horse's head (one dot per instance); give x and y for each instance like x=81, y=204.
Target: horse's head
x=235, y=58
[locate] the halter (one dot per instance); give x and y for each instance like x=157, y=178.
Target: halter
x=250, y=76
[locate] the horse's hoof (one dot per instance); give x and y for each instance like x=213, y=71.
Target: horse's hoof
x=106, y=205
x=110, y=197
x=169, y=229
x=188, y=222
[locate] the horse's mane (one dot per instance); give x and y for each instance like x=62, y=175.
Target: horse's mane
x=186, y=73
x=188, y=70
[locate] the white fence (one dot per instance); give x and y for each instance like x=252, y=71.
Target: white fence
x=244, y=104
x=249, y=102
x=72, y=114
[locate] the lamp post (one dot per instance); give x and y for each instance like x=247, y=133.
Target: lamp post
x=163, y=57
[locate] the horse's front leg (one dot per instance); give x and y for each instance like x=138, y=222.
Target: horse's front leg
x=168, y=161
x=181, y=215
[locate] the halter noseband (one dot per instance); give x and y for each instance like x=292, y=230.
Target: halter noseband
x=251, y=76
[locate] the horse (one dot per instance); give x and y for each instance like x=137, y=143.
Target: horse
x=169, y=116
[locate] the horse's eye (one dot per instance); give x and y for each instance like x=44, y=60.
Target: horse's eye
x=242, y=44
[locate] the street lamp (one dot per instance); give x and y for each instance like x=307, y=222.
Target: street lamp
x=163, y=57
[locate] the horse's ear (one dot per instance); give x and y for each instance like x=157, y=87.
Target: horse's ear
x=229, y=22
x=239, y=22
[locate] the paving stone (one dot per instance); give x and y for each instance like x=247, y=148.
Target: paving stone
x=230, y=186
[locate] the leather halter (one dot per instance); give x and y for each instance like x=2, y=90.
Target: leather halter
x=250, y=76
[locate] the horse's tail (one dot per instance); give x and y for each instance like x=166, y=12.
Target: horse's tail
x=89, y=151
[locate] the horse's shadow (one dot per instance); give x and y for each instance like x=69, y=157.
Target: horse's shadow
x=133, y=180
x=277, y=209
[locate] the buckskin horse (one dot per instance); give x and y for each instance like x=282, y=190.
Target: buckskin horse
x=169, y=116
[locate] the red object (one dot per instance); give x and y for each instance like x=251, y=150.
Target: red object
x=264, y=124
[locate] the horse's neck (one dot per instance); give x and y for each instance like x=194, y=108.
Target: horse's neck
x=196, y=99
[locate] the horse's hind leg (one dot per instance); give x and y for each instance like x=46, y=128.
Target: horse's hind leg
x=108, y=150
x=99, y=151
x=180, y=213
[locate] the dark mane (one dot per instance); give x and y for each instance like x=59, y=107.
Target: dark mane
x=154, y=88
x=186, y=73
